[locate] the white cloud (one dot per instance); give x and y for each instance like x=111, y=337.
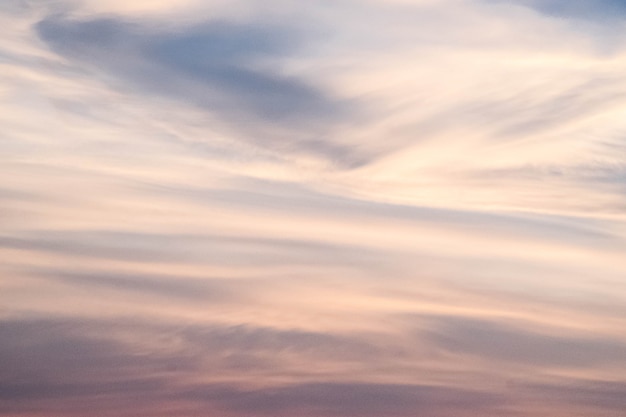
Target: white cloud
x=476, y=170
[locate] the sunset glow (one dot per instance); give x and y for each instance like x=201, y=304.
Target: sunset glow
x=400, y=208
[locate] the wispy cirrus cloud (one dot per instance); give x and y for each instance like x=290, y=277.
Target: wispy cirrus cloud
x=579, y=9
x=323, y=209
x=228, y=68
x=503, y=341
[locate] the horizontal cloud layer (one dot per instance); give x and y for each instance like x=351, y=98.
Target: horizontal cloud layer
x=340, y=208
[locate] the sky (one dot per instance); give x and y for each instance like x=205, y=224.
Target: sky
x=346, y=208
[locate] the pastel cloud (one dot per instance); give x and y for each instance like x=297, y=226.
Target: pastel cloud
x=215, y=57
x=193, y=369
x=276, y=208
x=579, y=9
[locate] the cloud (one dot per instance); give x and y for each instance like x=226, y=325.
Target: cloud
x=199, y=248
x=539, y=110
x=349, y=399
x=492, y=340
x=109, y=363
x=231, y=207
x=295, y=199
x=589, y=394
x=63, y=366
x=232, y=69
x=580, y=9
x=92, y=350
x=212, y=289
x=44, y=349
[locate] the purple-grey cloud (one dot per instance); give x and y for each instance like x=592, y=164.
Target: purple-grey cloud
x=579, y=9
x=219, y=66
x=493, y=340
